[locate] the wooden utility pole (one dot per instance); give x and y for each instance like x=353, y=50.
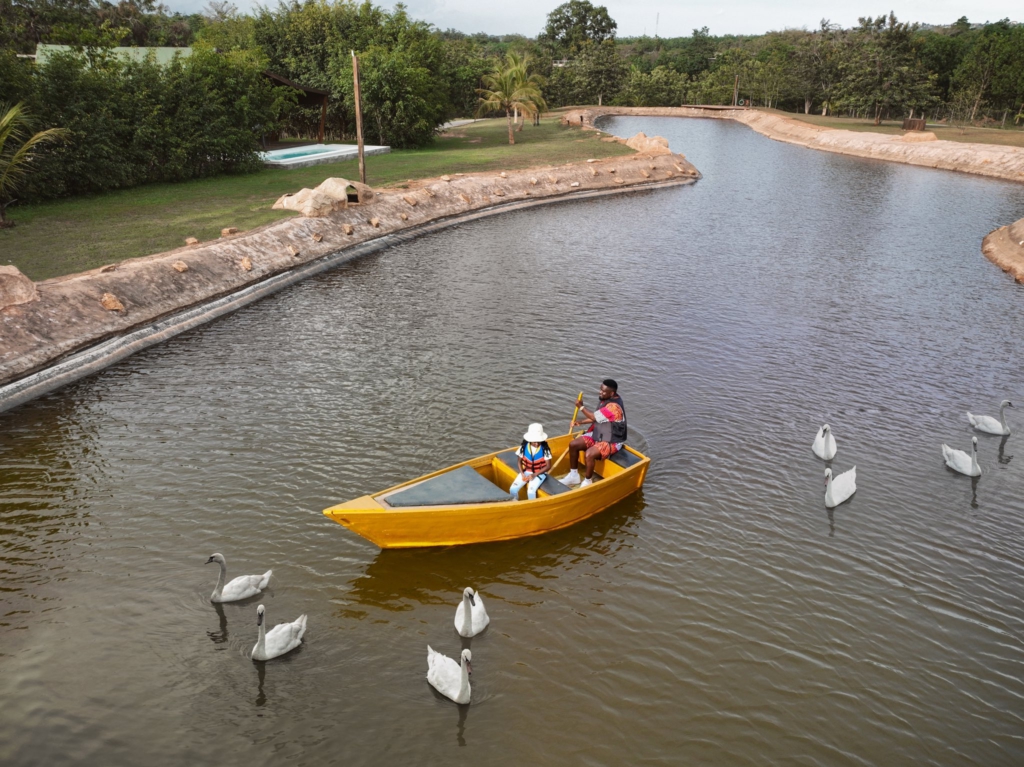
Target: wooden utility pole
x=359, y=119
x=736, y=91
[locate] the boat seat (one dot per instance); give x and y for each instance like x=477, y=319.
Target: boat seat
x=551, y=486
x=463, y=485
x=625, y=459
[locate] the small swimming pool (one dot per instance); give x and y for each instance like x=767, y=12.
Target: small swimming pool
x=316, y=154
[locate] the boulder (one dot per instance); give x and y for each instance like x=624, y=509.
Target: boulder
x=645, y=144
x=15, y=287
x=337, y=188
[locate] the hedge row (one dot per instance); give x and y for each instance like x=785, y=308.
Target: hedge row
x=132, y=123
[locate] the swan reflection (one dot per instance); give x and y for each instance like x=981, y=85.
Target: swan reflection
x=261, y=695
x=460, y=732
x=1003, y=458
x=221, y=635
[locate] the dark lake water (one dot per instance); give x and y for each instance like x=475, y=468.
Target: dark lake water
x=723, y=616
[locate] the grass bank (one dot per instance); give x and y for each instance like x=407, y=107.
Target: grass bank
x=67, y=236
x=971, y=135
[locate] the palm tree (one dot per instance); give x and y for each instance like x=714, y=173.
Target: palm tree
x=16, y=152
x=509, y=87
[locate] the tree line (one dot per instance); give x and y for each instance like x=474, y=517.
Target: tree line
x=127, y=123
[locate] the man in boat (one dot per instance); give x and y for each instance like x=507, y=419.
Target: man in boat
x=604, y=438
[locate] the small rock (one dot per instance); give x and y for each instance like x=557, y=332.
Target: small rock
x=593, y=171
x=410, y=199
x=293, y=251
x=405, y=216
x=645, y=173
x=652, y=167
x=246, y=264
x=191, y=241
x=575, y=183
x=347, y=228
x=375, y=223
x=317, y=237
x=179, y=266
x=553, y=179
x=611, y=170
x=503, y=174
x=430, y=192
x=110, y=303
x=679, y=169
x=446, y=178
x=109, y=268
x=460, y=174
x=499, y=193
x=533, y=182
x=619, y=181
x=228, y=230
x=591, y=160
x=464, y=198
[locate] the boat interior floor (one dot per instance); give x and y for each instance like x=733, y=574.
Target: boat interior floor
x=463, y=485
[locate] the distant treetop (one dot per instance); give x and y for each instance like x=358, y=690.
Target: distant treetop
x=578, y=22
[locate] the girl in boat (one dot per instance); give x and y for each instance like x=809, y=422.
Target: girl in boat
x=534, y=462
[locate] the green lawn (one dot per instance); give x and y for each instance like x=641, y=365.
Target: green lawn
x=68, y=236
x=1009, y=136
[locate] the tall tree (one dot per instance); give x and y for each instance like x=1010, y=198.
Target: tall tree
x=575, y=23
x=600, y=70
x=882, y=71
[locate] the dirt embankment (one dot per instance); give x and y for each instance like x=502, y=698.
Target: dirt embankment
x=924, y=149
x=1005, y=248
x=42, y=323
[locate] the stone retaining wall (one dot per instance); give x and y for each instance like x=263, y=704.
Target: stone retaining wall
x=69, y=314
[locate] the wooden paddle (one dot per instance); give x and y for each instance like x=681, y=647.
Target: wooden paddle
x=572, y=423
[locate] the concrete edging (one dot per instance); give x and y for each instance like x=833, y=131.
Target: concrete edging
x=95, y=358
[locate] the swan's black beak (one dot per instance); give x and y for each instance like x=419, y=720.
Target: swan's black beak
x=259, y=619
x=469, y=668
x=208, y=561
x=472, y=600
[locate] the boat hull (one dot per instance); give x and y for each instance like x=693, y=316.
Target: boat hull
x=459, y=524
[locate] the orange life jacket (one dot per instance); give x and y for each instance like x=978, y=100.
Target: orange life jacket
x=534, y=463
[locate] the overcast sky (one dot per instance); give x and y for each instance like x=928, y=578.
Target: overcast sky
x=677, y=19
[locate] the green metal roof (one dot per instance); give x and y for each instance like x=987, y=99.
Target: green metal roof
x=162, y=55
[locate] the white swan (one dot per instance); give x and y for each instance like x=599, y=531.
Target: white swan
x=284, y=637
x=824, y=444
x=958, y=460
x=449, y=678
x=841, y=488
x=990, y=425
x=242, y=587
x=471, y=616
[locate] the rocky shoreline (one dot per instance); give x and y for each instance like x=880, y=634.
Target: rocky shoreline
x=1005, y=248
x=57, y=330
x=925, y=149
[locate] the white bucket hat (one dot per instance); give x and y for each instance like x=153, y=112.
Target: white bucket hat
x=535, y=433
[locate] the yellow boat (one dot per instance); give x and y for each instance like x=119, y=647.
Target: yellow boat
x=469, y=502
